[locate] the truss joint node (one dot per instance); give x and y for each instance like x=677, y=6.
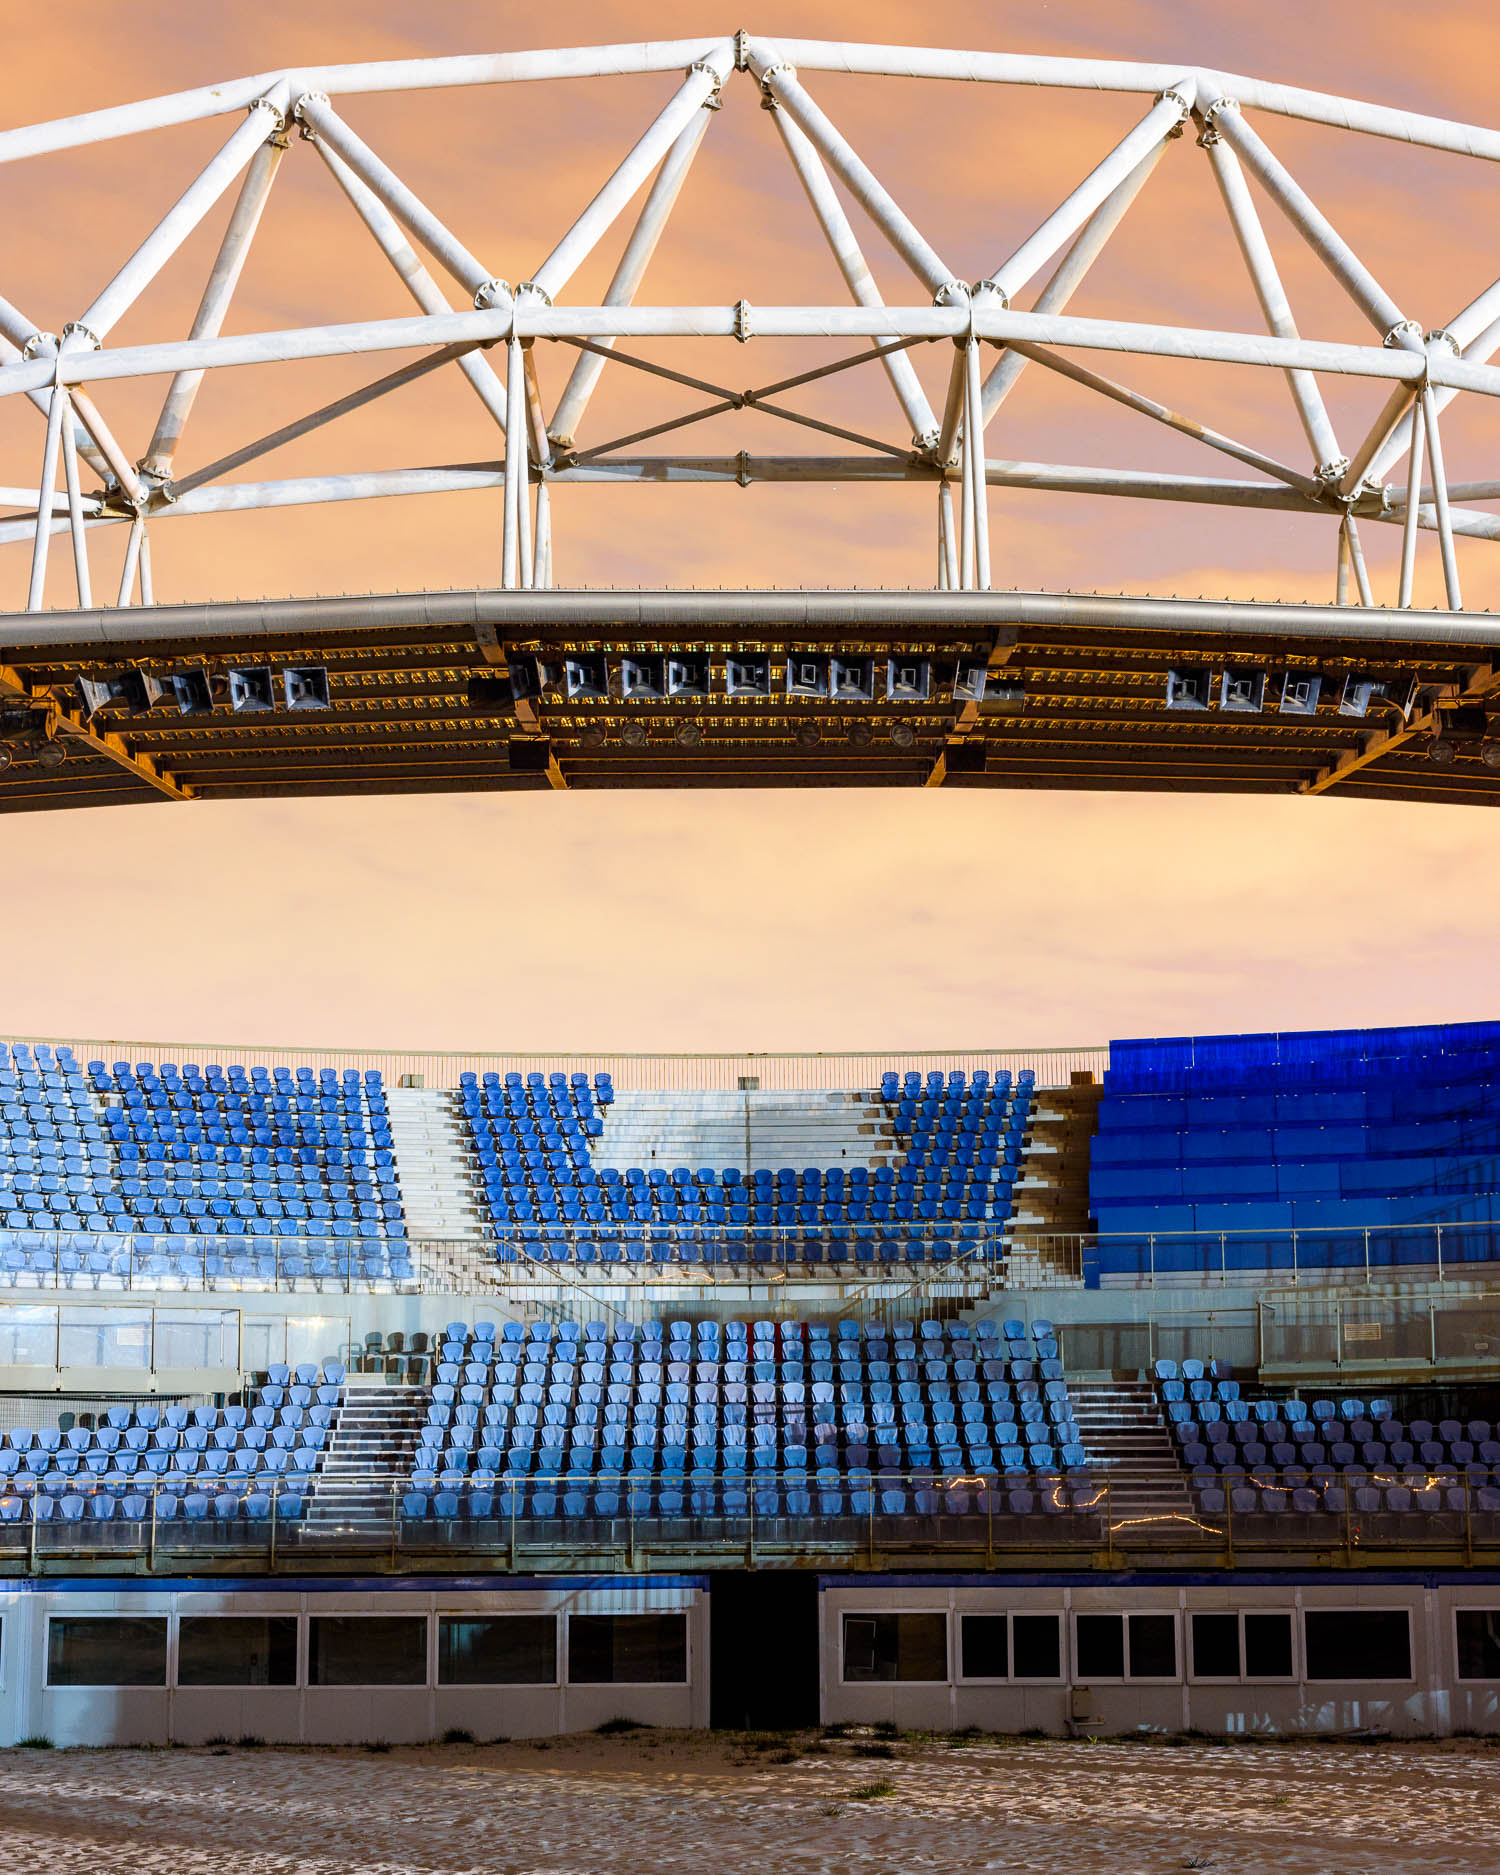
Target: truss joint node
x=39, y=345
x=78, y=337
x=1328, y=475
x=715, y=99
x=308, y=131
x=492, y=293
x=742, y=50
x=268, y=103
x=1403, y=333
x=531, y=290
x=1211, y=111
x=743, y=330
x=1440, y=335
x=772, y=72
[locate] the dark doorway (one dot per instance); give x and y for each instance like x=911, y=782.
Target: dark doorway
x=763, y=1649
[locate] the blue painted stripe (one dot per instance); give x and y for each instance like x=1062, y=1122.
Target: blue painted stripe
x=332, y=1585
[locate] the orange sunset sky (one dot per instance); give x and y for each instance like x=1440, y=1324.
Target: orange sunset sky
x=758, y=919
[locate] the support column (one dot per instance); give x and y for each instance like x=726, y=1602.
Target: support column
x=46, y=489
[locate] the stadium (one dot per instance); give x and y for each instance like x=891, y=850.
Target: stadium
x=1147, y=1389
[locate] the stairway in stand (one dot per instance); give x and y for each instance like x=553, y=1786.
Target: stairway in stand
x=436, y=1166
x=368, y=1461
x=1129, y=1446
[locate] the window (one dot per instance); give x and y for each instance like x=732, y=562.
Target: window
x=1268, y=1647
x=1036, y=1647
x=1242, y=1646
x=1106, y=1642
x=1101, y=1647
x=895, y=1647
x=367, y=1650
x=984, y=1647
x=1479, y=1643
x=1216, y=1647
x=107, y=1650
x=501, y=1650
x=627, y=1650
x=999, y=1647
x=225, y=1650
x=1358, y=1644
x=1153, y=1646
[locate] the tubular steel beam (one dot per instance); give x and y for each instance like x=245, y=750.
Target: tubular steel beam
x=563, y=614
x=70, y=724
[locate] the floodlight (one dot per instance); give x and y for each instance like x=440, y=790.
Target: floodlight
x=747, y=677
x=643, y=679
x=251, y=689
x=687, y=675
x=1299, y=694
x=1190, y=688
x=805, y=676
x=305, y=687
x=908, y=680
x=193, y=690
x=852, y=680
x=1243, y=690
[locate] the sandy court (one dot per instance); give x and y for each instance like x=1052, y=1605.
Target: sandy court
x=650, y=1801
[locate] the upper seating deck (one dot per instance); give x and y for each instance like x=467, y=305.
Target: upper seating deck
x=557, y=1187
x=1314, y=1134
x=185, y=1174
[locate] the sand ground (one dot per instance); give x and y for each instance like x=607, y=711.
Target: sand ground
x=731, y=1804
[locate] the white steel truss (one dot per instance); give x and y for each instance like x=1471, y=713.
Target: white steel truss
x=495, y=333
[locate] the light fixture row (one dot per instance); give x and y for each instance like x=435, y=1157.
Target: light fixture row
x=654, y=677
x=689, y=735
x=246, y=689
x=1244, y=689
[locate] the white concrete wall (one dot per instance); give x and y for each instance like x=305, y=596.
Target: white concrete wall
x=332, y=1714
x=1432, y=1702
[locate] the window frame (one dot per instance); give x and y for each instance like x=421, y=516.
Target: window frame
x=876, y=1614
x=299, y=1666
x=559, y=1644
x=1242, y=1678
x=1409, y=1678
x=386, y=1686
x=1460, y=1678
x=169, y=1660
x=1079, y=1678
x=1012, y=1678
x=565, y=1655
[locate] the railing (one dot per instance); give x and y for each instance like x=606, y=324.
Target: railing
x=120, y=1337
x=722, y=1256
x=1102, y=1521
x=110, y=1261
x=708, y=1073
x=1341, y=1254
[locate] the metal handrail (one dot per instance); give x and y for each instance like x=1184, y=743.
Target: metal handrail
x=1094, y=1516
x=775, y=1070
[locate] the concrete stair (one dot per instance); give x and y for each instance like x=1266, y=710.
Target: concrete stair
x=435, y=1165
x=368, y=1460
x=751, y=1129
x=1128, y=1444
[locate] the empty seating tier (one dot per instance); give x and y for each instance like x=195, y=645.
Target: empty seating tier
x=1288, y=1456
x=216, y=1466
x=194, y=1176
x=554, y=1190
x=1312, y=1150
x=842, y=1417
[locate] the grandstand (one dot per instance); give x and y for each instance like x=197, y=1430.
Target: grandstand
x=1074, y=1389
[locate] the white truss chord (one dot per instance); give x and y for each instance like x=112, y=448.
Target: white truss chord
x=951, y=340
